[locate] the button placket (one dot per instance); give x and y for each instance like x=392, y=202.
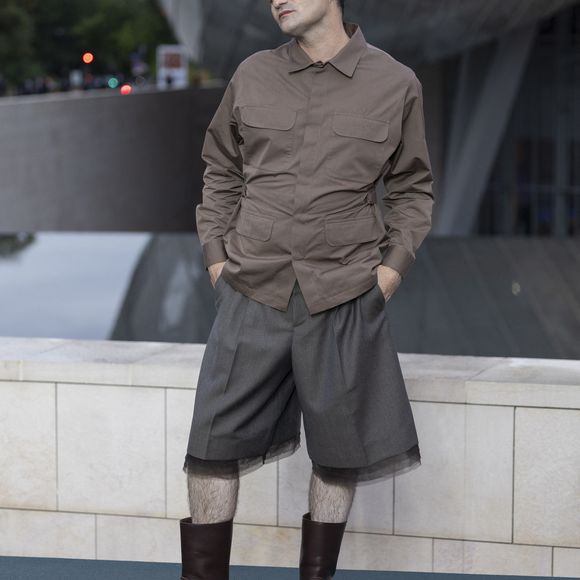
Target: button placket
x=314, y=116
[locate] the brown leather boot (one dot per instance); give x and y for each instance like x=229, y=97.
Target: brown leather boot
x=205, y=550
x=320, y=548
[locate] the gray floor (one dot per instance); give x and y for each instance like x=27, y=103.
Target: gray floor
x=15, y=568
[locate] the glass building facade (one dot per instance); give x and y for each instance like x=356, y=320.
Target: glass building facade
x=534, y=188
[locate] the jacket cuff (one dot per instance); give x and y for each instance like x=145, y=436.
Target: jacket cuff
x=398, y=258
x=214, y=251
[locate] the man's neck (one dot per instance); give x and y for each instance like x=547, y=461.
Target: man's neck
x=323, y=42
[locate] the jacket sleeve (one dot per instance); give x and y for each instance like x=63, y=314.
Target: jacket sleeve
x=409, y=186
x=222, y=177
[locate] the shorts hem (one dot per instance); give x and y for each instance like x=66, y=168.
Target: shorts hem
x=238, y=467
x=398, y=464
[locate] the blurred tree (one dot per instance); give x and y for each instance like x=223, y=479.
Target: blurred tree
x=16, y=34
x=13, y=244
x=113, y=29
x=55, y=44
x=50, y=36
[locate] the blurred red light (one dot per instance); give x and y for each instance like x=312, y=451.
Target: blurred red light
x=126, y=89
x=88, y=57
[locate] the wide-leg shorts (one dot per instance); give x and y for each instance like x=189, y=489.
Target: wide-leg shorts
x=264, y=368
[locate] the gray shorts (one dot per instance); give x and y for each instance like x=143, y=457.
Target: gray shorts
x=263, y=368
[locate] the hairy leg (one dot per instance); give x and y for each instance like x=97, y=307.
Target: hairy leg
x=330, y=500
x=212, y=498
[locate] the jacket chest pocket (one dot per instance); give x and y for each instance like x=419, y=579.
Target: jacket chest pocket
x=356, y=148
x=268, y=134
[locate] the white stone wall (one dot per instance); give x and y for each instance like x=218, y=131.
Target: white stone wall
x=93, y=434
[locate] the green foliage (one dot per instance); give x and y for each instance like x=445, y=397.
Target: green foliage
x=50, y=36
x=16, y=34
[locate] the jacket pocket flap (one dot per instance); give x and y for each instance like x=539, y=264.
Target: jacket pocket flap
x=268, y=117
x=360, y=127
x=254, y=226
x=351, y=231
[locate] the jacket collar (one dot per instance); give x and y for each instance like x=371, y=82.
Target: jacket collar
x=345, y=60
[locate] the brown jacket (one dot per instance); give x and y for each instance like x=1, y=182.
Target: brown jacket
x=293, y=154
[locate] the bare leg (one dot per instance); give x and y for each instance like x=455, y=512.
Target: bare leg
x=330, y=500
x=212, y=498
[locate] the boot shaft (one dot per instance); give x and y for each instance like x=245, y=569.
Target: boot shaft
x=205, y=550
x=320, y=548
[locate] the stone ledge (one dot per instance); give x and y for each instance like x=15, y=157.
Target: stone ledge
x=552, y=383
x=100, y=427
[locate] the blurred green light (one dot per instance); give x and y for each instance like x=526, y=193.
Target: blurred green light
x=113, y=83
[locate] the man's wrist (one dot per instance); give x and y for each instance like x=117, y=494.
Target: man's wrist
x=391, y=271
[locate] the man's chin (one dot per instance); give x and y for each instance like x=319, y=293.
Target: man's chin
x=291, y=28
x=287, y=29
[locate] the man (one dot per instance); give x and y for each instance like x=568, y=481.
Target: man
x=303, y=263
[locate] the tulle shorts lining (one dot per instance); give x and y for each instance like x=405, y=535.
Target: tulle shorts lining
x=227, y=468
